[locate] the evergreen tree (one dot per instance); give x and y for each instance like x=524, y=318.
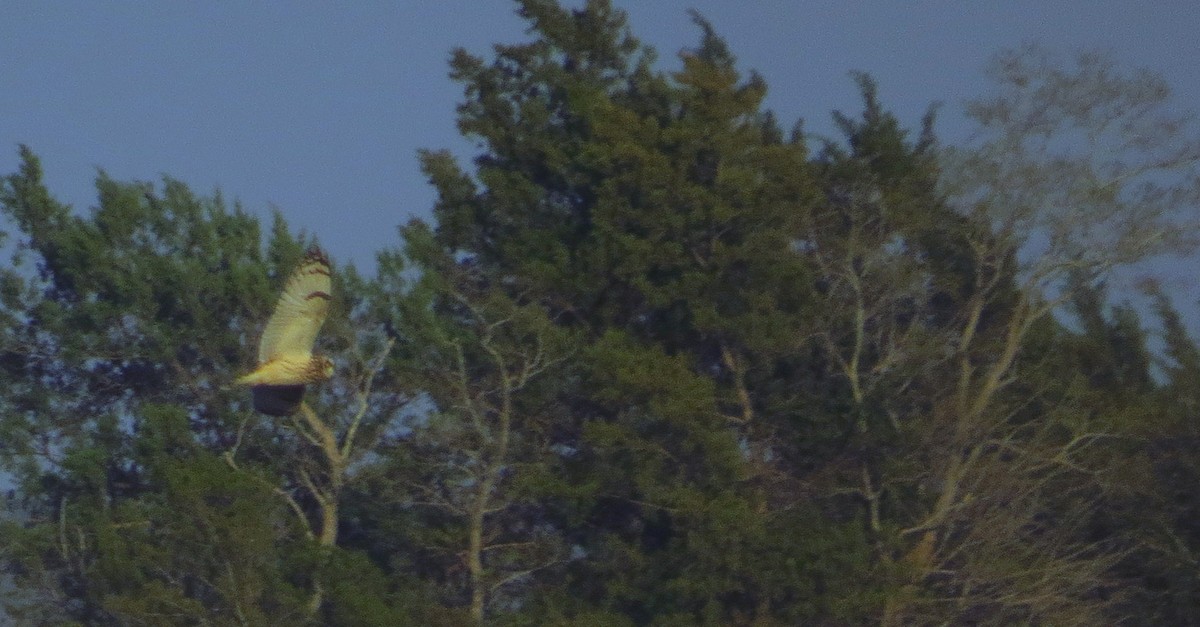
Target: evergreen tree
x=652, y=363
x=149, y=490
x=1164, y=529
x=674, y=210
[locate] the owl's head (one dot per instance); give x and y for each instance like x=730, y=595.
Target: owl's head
x=325, y=367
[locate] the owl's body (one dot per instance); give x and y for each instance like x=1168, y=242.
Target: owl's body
x=285, y=360
x=290, y=370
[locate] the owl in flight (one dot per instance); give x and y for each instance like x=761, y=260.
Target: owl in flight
x=285, y=360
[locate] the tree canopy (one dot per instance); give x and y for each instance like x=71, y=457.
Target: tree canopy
x=652, y=361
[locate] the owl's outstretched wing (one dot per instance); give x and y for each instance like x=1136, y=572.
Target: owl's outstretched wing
x=300, y=312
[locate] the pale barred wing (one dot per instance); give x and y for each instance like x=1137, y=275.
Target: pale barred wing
x=298, y=316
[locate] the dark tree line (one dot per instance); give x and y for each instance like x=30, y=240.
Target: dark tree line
x=654, y=361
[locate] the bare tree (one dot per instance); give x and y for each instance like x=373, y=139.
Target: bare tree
x=1077, y=172
x=487, y=366
x=325, y=450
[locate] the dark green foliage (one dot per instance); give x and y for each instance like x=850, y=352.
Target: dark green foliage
x=651, y=363
x=123, y=335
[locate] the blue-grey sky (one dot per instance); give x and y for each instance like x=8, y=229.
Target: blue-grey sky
x=318, y=108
